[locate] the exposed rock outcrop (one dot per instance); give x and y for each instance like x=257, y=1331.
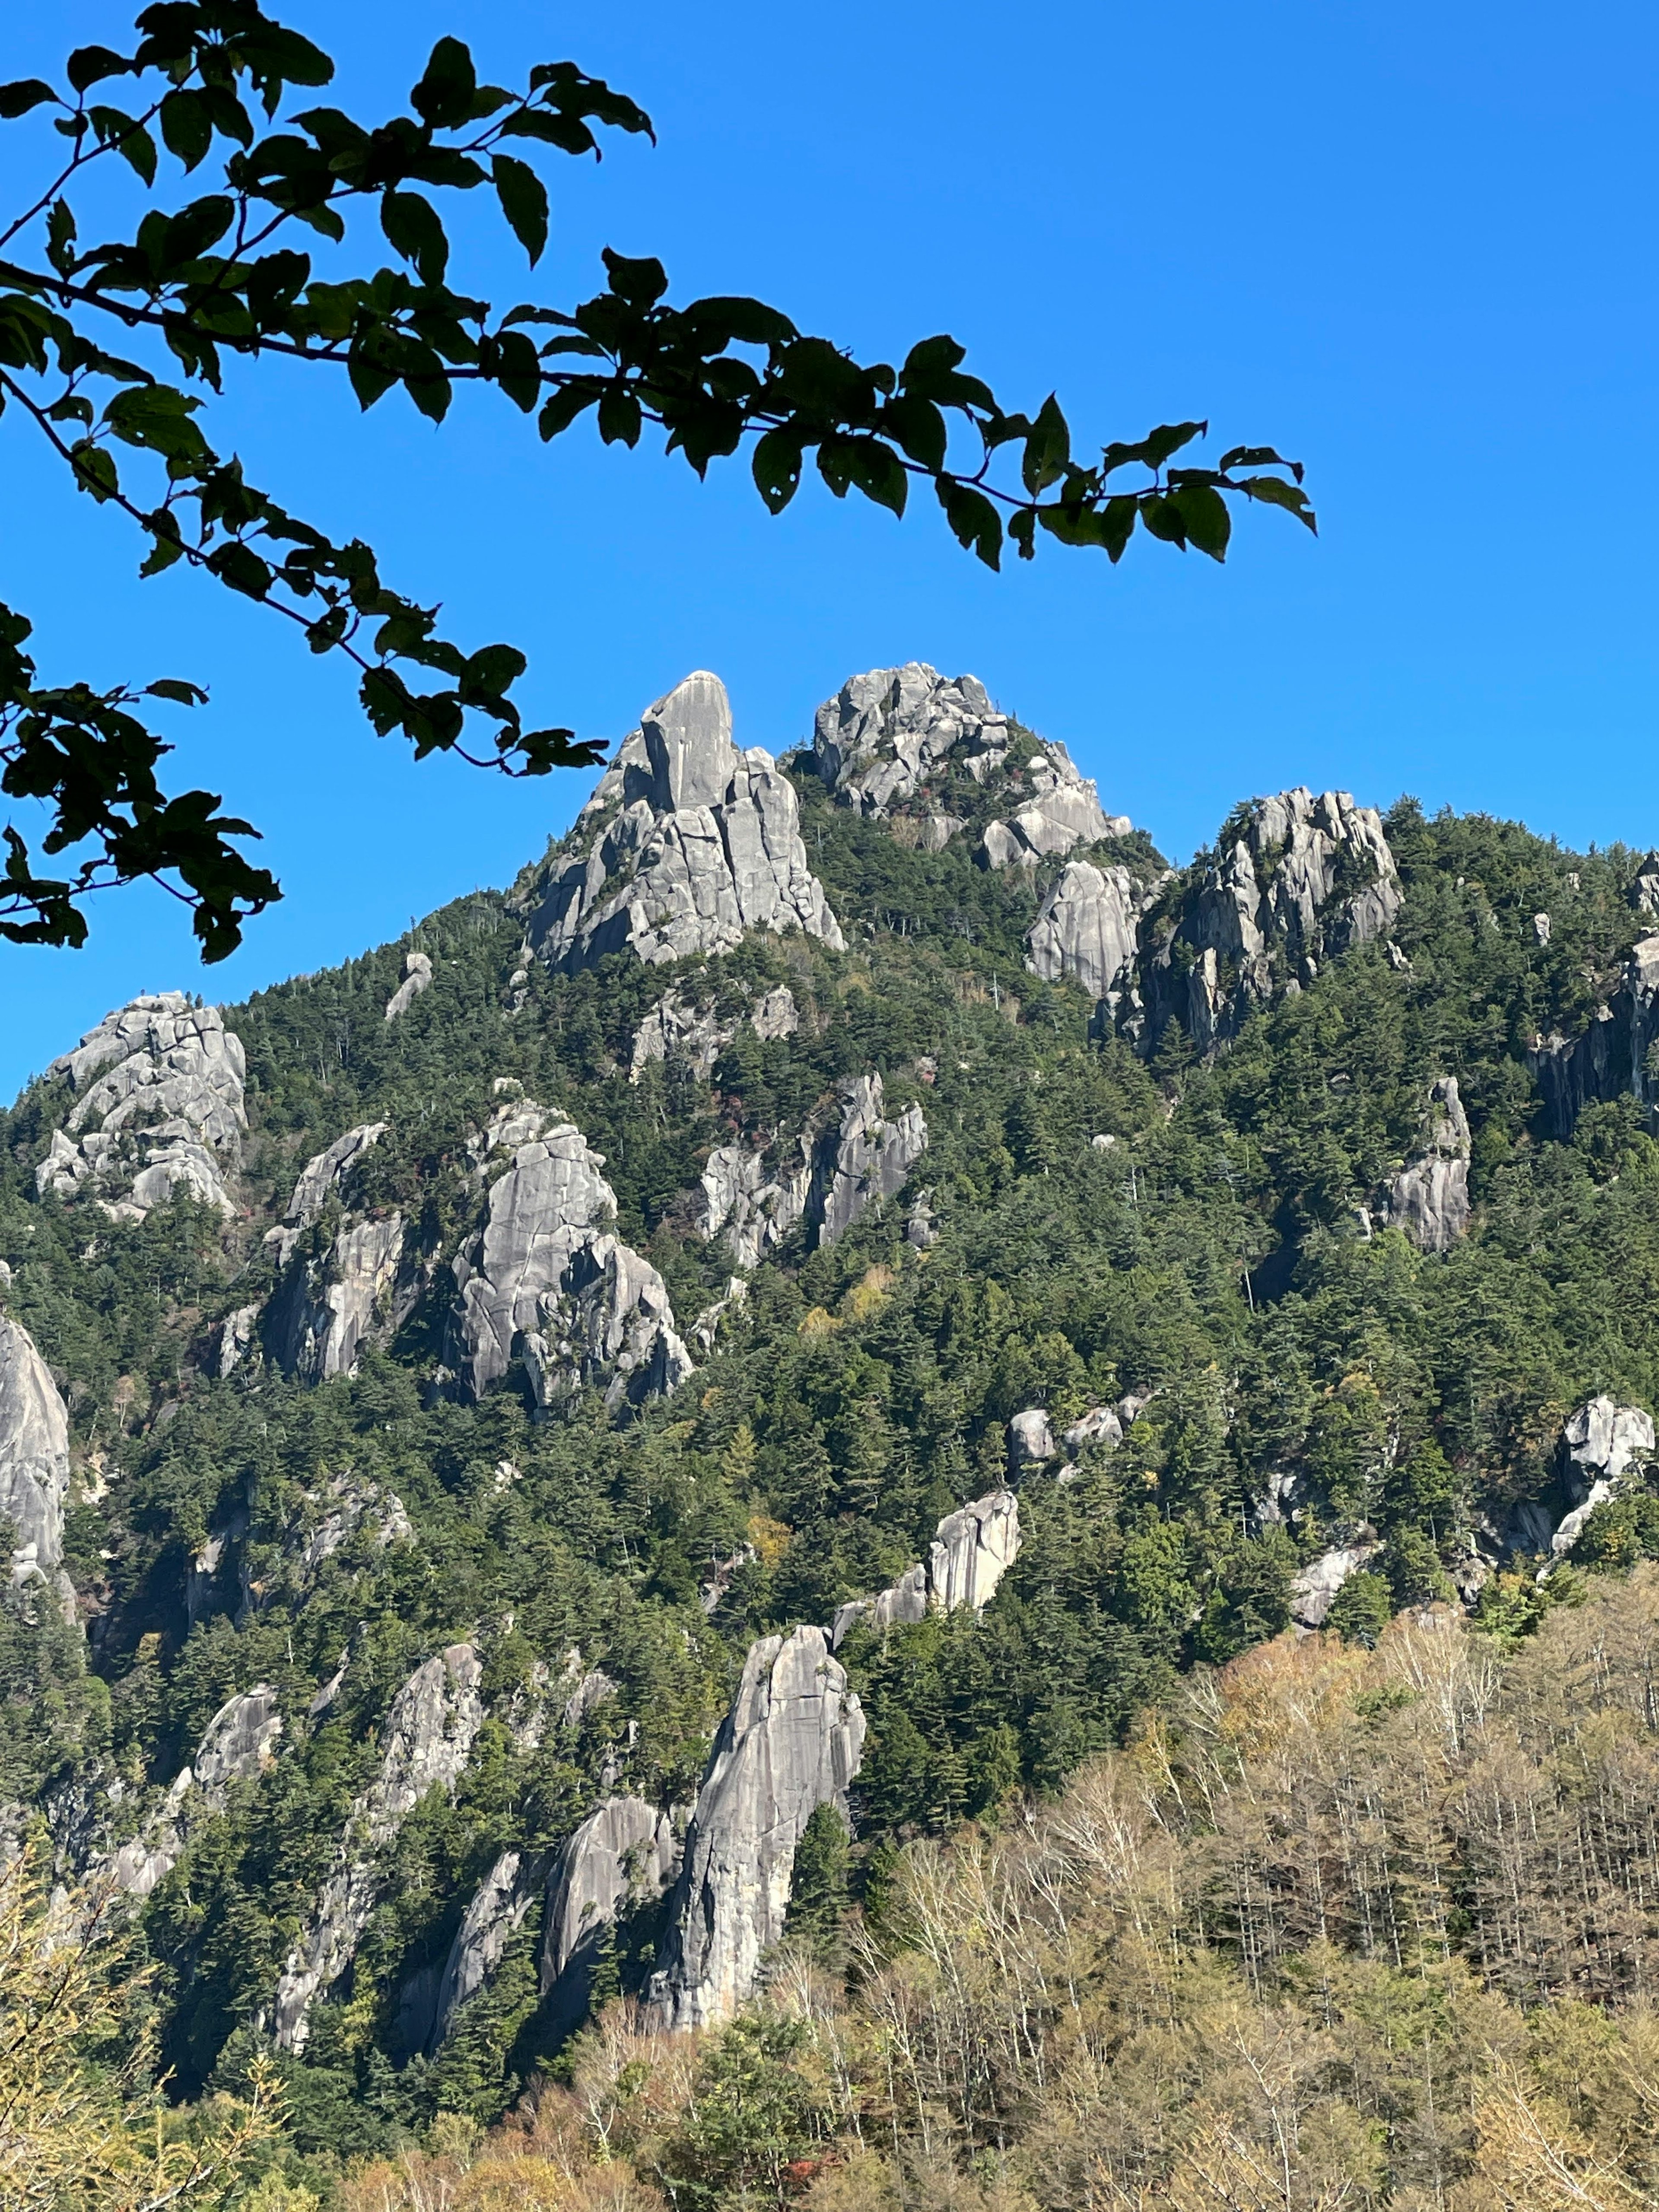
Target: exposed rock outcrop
x=790, y=1742
x=624, y=1854
x=35, y=1460
x=1086, y=928
x=1609, y=1059
x=417, y=977
x=426, y=1742
x=1314, y=1590
x=324, y=1176
x=867, y=1161
x=1428, y=1197
x=498, y=1910
x=1604, y=1445
x=322, y=1314
x=676, y=1030
x=891, y=735
x=754, y=1199
x=686, y=845
x=239, y=1743
x=1030, y=1440
x=1294, y=879
x=974, y=1549
x=544, y=1278
x=158, y=1111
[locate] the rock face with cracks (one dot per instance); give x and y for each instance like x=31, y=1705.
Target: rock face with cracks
x=891, y=734
x=870, y=1158
x=1429, y=1196
x=498, y=1910
x=1086, y=929
x=158, y=1109
x=1603, y=1444
x=1293, y=880
x=790, y=1742
x=546, y=1279
x=34, y=1459
x=971, y=1552
x=686, y=845
x=426, y=1742
x=625, y=1853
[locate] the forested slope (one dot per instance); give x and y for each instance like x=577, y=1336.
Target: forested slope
x=565, y=1451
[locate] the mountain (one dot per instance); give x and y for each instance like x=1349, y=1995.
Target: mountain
x=542, y=1459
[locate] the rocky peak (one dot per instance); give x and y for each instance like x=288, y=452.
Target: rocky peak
x=1294, y=879
x=687, y=844
x=891, y=736
x=158, y=1109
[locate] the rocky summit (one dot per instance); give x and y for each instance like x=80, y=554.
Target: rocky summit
x=545, y=1464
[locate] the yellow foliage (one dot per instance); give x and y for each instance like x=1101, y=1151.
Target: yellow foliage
x=820, y=1321
x=770, y=1538
x=869, y=1294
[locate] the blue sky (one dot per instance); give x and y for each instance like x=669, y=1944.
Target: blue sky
x=1412, y=244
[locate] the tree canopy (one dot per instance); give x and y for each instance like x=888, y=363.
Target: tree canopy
x=275, y=261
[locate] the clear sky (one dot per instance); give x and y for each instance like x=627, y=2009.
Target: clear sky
x=1411, y=244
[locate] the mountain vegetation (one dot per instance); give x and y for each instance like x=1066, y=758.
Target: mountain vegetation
x=710, y=1561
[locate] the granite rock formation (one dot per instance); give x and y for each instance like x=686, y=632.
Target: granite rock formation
x=1030, y=1440
x=498, y=1910
x=1429, y=1196
x=1087, y=928
x=891, y=737
x=868, y=1160
x=1294, y=880
x=34, y=1459
x=790, y=1742
x=972, y=1550
x=1610, y=1058
x=1313, y=1590
x=754, y=1199
x=239, y=1743
x=1604, y=1444
x=426, y=1742
x=158, y=1109
x=321, y=1178
x=319, y=1318
x=686, y=845
x=625, y=1854
x=544, y=1278
x=417, y=977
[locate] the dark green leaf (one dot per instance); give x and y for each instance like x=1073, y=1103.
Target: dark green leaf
x=919, y=428
x=186, y=127
x=564, y=406
x=413, y=229
x=641, y=283
x=1169, y=438
x=1205, y=517
x=1273, y=491
x=1047, y=448
x=60, y=236
x=95, y=472
x=130, y=140
x=776, y=466
x=17, y=99
x=524, y=203
x=444, y=94
x=973, y=519
x=90, y=65
x=182, y=693
x=619, y=416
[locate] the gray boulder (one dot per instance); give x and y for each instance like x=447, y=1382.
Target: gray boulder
x=158, y=1111
x=776, y=1014
x=790, y=1742
x=1086, y=928
x=326, y=1174
x=545, y=1277
x=1063, y=811
x=1606, y=1445
x=624, y=1854
x=1030, y=1440
x=1610, y=1058
x=902, y=1603
x=1429, y=1196
x=676, y=1030
x=1295, y=880
x=426, y=1742
x=35, y=1460
x=686, y=845
x=867, y=1161
x=417, y=977
x=239, y=1743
